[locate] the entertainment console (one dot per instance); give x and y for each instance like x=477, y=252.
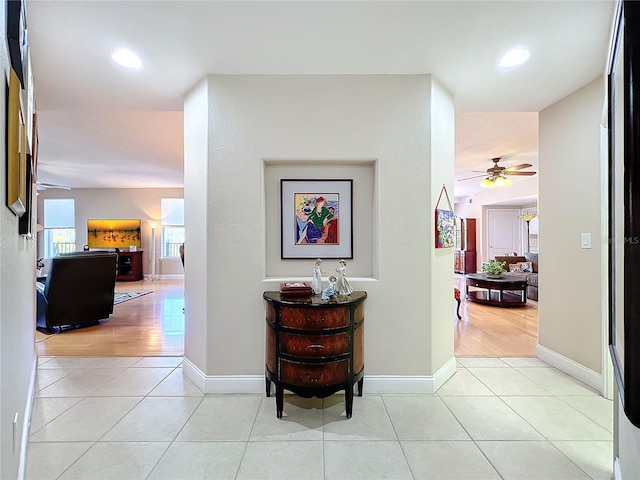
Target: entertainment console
x=129, y=266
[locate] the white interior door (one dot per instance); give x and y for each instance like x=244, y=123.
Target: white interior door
x=503, y=232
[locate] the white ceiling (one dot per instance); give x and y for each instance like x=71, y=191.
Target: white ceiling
x=103, y=126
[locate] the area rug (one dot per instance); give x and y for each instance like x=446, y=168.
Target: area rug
x=120, y=297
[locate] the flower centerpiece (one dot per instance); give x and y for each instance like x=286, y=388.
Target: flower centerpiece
x=494, y=269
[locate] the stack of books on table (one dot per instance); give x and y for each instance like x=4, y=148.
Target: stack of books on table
x=295, y=290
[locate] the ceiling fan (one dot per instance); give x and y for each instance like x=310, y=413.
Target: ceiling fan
x=496, y=176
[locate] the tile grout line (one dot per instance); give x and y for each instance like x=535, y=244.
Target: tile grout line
x=397, y=437
x=467, y=432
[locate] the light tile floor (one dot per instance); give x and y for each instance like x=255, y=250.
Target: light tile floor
x=139, y=418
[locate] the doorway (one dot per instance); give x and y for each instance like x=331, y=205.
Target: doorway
x=503, y=231
x=490, y=331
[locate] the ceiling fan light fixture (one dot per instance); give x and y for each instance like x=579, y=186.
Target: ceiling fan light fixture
x=502, y=181
x=126, y=58
x=514, y=58
x=488, y=182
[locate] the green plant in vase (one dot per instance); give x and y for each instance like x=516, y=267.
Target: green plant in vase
x=494, y=268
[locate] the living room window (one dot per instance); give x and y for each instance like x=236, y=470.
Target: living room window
x=59, y=226
x=172, y=211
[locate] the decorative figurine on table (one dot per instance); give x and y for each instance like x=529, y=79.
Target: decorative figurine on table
x=343, y=284
x=330, y=292
x=316, y=282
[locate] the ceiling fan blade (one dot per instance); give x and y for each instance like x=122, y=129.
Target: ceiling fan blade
x=520, y=173
x=518, y=167
x=475, y=176
x=45, y=186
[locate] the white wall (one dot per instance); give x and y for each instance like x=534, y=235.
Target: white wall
x=17, y=312
x=320, y=120
x=142, y=203
x=198, y=275
x=569, y=204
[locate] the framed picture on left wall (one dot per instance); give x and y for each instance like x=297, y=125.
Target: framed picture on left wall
x=27, y=221
x=16, y=149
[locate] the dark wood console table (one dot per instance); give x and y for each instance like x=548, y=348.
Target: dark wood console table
x=314, y=347
x=506, y=291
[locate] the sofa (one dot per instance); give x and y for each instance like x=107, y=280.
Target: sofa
x=532, y=277
x=77, y=291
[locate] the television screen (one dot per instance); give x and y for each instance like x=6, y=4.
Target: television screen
x=113, y=233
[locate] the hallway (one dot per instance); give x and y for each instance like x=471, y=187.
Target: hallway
x=140, y=418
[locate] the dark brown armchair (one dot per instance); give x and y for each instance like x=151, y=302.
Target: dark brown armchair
x=78, y=291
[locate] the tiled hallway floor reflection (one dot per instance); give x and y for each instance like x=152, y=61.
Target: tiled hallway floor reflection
x=139, y=418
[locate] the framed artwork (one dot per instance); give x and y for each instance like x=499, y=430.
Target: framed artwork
x=17, y=37
x=445, y=228
x=445, y=223
x=16, y=150
x=316, y=218
x=26, y=222
x=623, y=87
x=114, y=233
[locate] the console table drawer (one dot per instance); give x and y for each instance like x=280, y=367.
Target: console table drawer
x=314, y=346
x=314, y=318
x=309, y=375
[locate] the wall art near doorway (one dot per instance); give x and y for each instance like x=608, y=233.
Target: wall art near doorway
x=445, y=223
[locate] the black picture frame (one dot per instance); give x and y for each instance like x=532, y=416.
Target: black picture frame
x=25, y=222
x=623, y=88
x=335, y=237
x=17, y=37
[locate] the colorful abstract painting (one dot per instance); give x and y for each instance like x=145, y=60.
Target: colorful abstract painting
x=445, y=228
x=316, y=218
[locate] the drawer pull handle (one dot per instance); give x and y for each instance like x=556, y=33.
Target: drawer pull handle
x=315, y=345
x=314, y=379
x=314, y=322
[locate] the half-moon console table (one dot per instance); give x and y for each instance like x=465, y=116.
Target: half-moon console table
x=314, y=347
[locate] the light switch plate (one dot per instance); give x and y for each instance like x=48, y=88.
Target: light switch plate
x=585, y=240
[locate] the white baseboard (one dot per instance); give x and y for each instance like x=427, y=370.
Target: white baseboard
x=26, y=424
x=376, y=384
x=617, y=474
x=570, y=367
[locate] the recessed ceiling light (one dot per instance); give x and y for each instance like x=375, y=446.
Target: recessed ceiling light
x=126, y=58
x=514, y=57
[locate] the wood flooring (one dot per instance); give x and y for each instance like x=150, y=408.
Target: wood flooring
x=153, y=325
x=488, y=331
x=150, y=325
